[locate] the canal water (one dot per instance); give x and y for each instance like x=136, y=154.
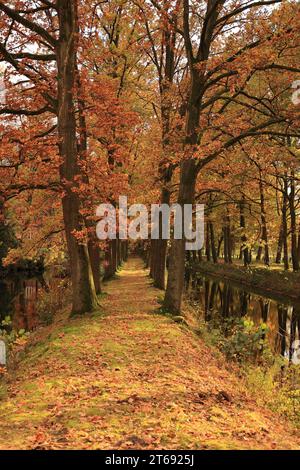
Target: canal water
x=215, y=298
x=18, y=300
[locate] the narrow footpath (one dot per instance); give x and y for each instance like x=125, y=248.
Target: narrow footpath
x=129, y=378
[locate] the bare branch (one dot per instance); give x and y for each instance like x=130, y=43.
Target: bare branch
x=28, y=24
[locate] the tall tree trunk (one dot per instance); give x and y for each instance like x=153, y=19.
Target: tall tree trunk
x=123, y=252
x=294, y=247
x=298, y=243
x=119, y=260
x=175, y=283
x=153, y=258
x=220, y=241
x=259, y=253
x=284, y=224
x=108, y=273
x=227, y=240
x=264, y=230
x=207, y=242
x=161, y=247
x=187, y=270
x=93, y=243
x=244, y=247
x=114, y=256
x=166, y=76
x=84, y=297
x=212, y=242
x=225, y=244
x=189, y=167
x=279, y=245
x=94, y=253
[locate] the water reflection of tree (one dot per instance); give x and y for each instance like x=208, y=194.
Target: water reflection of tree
x=212, y=296
x=207, y=313
x=193, y=284
x=222, y=299
x=288, y=319
x=294, y=325
x=227, y=300
x=210, y=290
x=28, y=318
x=264, y=307
x=244, y=302
x=18, y=300
x=282, y=321
x=6, y=297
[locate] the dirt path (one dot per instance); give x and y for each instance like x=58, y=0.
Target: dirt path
x=130, y=378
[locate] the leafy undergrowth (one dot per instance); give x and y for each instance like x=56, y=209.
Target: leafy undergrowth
x=127, y=378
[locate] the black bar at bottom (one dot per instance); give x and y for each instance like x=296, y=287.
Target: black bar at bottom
x=139, y=459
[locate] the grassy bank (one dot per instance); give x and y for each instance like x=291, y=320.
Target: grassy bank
x=275, y=283
x=126, y=378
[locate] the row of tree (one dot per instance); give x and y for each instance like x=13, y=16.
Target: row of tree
x=255, y=216
x=156, y=99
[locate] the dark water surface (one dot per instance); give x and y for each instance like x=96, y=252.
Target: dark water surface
x=18, y=299
x=224, y=299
